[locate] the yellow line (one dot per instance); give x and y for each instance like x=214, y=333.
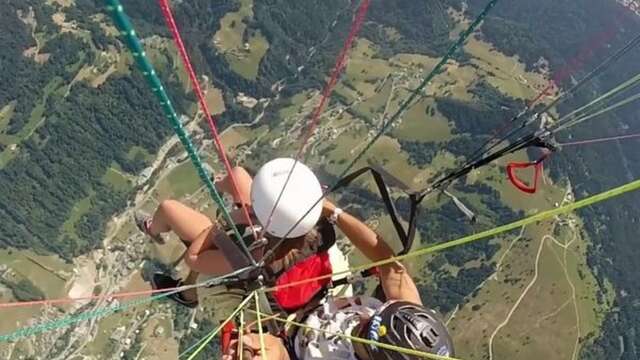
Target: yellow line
x=217, y=330
x=631, y=186
x=263, y=350
x=240, y=334
x=402, y=350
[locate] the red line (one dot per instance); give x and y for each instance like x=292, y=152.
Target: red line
x=600, y=140
x=341, y=62
x=94, y=297
x=171, y=24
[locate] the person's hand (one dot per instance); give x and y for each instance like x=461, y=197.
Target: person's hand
x=328, y=208
x=251, y=350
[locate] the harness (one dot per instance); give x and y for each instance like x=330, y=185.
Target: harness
x=314, y=261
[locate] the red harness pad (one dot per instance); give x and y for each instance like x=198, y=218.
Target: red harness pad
x=295, y=297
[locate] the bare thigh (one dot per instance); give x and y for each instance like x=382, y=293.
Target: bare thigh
x=184, y=221
x=243, y=182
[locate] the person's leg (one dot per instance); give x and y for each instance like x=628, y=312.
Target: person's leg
x=243, y=181
x=184, y=221
x=189, y=225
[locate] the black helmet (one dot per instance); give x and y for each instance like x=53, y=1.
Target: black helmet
x=407, y=325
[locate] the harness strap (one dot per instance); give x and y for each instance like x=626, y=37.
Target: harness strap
x=406, y=236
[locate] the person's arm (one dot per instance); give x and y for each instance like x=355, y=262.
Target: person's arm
x=394, y=278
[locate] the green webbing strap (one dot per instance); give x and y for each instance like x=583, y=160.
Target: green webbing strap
x=125, y=27
x=414, y=94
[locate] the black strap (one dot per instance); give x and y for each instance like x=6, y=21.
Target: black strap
x=406, y=236
x=531, y=140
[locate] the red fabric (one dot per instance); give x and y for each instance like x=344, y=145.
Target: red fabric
x=295, y=297
x=225, y=338
x=538, y=170
x=519, y=183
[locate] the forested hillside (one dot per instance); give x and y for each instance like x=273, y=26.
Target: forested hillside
x=78, y=124
x=66, y=134
x=575, y=37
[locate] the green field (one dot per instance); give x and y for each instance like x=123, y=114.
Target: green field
x=48, y=273
x=81, y=208
x=419, y=125
x=6, y=113
x=137, y=151
x=117, y=179
x=181, y=181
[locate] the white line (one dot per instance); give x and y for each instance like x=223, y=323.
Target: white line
x=515, y=306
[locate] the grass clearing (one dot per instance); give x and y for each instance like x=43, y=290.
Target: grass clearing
x=532, y=327
x=246, y=62
x=36, y=119
x=48, y=273
x=181, y=181
x=79, y=209
x=363, y=72
x=214, y=100
x=101, y=343
x=117, y=179
x=16, y=318
x=137, y=151
x=374, y=107
x=423, y=122
x=6, y=113
x=506, y=73
x=160, y=347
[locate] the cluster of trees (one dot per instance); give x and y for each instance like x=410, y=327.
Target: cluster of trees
x=24, y=290
x=420, y=153
x=422, y=26
x=489, y=110
x=448, y=291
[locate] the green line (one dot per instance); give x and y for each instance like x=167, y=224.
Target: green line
x=263, y=348
x=611, y=93
x=600, y=112
x=125, y=27
x=632, y=186
x=215, y=332
x=72, y=319
x=414, y=94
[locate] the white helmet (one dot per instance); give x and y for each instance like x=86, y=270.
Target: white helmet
x=301, y=194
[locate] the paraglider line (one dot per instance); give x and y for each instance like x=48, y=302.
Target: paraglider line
x=173, y=27
x=326, y=93
x=600, y=140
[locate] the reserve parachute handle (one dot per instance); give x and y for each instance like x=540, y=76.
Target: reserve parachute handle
x=538, y=166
